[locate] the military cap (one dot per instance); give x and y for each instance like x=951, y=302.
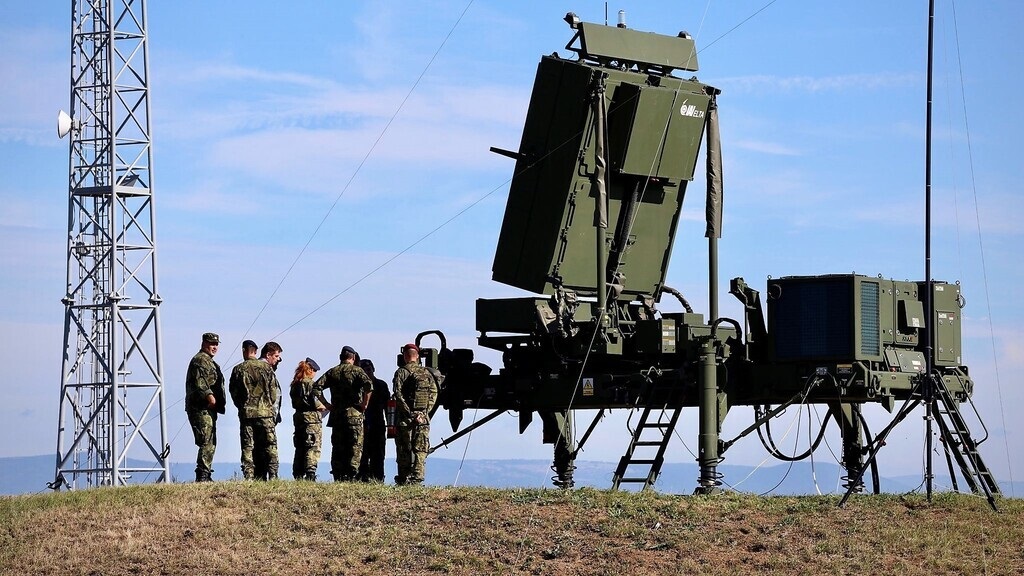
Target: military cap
x=348, y=350
x=211, y=338
x=410, y=346
x=312, y=364
x=249, y=344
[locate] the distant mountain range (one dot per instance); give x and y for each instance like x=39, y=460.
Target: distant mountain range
x=30, y=474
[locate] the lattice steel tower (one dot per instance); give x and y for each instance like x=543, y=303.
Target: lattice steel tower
x=111, y=429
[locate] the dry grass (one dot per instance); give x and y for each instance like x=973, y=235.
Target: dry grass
x=302, y=528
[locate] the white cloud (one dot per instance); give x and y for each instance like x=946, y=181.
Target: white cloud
x=287, y=131
x=817, y=84
x=212, y=197
x=221, y=73
x=771, y=148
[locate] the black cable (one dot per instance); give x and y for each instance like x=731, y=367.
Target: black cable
x=874, y=463
x=774, y=450
x=730, y=31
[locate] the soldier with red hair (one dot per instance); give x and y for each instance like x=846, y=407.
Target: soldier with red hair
x=309, y=412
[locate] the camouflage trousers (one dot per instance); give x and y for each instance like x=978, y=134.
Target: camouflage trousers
x=259, y=448
x=307, y=439
x=412, y=442
x=346, y=446
x=204, y=431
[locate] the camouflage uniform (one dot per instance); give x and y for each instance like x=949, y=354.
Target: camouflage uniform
x=347, y=383
x=415, y=395
x=308, y=429
x=371, y=466
x=202, y=379
x=255, y=390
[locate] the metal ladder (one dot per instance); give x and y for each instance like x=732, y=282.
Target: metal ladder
x=647, y=436
x=958, y=441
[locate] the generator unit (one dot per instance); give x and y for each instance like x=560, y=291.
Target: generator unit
x=853, y=318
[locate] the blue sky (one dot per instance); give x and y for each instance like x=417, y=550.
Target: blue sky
x=266, y=117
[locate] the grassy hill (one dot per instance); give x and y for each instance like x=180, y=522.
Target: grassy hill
x=290, y=527
x=26, y=475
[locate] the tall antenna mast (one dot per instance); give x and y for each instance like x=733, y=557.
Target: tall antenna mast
x=929, y=306
x=111, y=428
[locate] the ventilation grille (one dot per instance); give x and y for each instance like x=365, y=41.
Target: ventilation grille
x=870, y=344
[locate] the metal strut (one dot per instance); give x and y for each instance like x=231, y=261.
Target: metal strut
x=444, y=443
x=957, y=439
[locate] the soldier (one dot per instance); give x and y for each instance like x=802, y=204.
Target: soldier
x=265, y=437
x=350, y=390
x=255, y=391
x=371, y=466
x=309, y=412
x=204, y=399
x=249, y=370
x=415, y=395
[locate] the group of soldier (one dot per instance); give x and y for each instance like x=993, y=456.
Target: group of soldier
x=355, y=411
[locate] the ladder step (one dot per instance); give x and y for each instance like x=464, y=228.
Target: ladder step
x=665, y=428
x=957, y=436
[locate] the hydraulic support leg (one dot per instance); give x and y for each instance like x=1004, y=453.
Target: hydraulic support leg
x=708, y=433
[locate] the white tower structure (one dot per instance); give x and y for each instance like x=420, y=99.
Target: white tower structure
x=111, y=430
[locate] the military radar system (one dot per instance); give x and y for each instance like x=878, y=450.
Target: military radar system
x=611, y=141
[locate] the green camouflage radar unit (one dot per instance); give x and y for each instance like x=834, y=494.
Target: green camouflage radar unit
x=610, y=144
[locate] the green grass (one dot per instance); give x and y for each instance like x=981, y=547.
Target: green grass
x=302, y=528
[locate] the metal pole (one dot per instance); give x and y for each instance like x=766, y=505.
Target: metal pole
x=707, y=437
x=929, y=391
x=600, y=200
x=712, y=279
x=155, y=300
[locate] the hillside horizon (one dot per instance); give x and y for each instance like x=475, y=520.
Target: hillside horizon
x=30, y=474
